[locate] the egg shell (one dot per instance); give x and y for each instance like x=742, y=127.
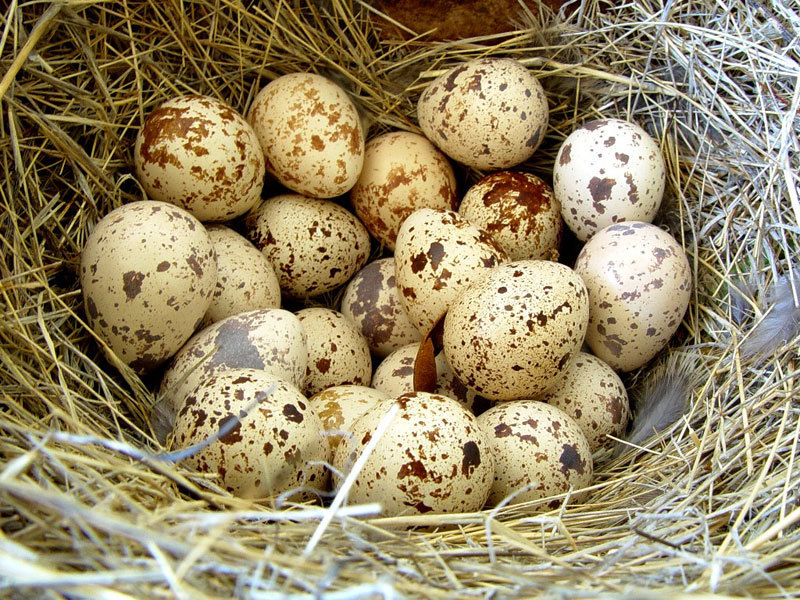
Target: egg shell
x=519, y=211
x=245, y=277
x=488, y=113
x=432, y=458
x=269, y=339
x=314, y=245
x=339, y=406
x=310, y=133
x=438, y=254
x=200, y=154
x=337, y=352
x=147, y=274
x=539, y=452
x=402, y=172
x=511, y=334
x=276, y=447
x=639, y=281
x=606, y=172
x=592, y=394
x=372, y=302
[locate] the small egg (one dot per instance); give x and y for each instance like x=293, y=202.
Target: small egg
x=310, y=133
x=200, y=154
x=519, y=211
x=539, y=452
x=337, y=352
x=488, y=113
x=640, y=282
x=371, y=301
x=276, y=447
x=245, y=277
x=592, y=393
x=339, y=406
x=314, y=245
x=510, y=335
x=606, y=172
x=402, y=172
x=431, y=458
x=147, y=273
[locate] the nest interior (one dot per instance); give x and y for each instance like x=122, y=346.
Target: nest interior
x=710, y=506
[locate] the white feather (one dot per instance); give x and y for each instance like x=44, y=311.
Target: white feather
x=781, y=321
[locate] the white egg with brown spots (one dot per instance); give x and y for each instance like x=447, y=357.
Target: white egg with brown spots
x=148, y=273
x=539, y=452
x=338, y=407
x=640, y=283
x=606, y=172
x=314, y=245
x=200, y=154
x=277, y=446
x=311, y=134
x=432, y=458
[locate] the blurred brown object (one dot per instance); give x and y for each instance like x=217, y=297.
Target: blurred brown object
x=454, y=19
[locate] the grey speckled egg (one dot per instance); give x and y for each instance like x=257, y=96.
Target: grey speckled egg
x=338, y=407
x=200, y=154
x=608, y=171
x=489, y=113
x=314, y=245
x=539, y=452
x=639, y=281
x=276, y=447
x=337, y=352
x=510, y=335
x=432, y=458
x=147, y=273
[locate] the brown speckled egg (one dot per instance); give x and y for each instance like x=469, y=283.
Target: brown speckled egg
x=269, y=339
x=606, y=172
x=276, y=447
x=339, y=406
x=314, y=245
x=371, y=301
x=200, y=154
x=639, y=281
x=337, y=352
x=592, y=393
x=402, y=172
x=511, y=334
x=147, y=274
x=489, y=113
x=519, y=211
x=311, y=134
x=245, y=277
x=539, y=452
x=432, y=458
x=438, y=254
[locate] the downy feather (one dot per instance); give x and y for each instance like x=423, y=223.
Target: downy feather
x=781, y=321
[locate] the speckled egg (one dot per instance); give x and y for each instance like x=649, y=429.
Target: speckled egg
x=489, y=113
x=592, y=394
x=337, y=352
x=276, y=447
x=438, y=254
x=245, y=277
x=519, y=211
x=339, y=406
x=639, y=281
x=510, y=335
x=606, y=172
x=402, y=172
x=314, y=245
x=539, y=452
x=200, y=154
x=432, y=458
x=269, y=339
x=311, y=134
x=371, y=301
x=147, y=274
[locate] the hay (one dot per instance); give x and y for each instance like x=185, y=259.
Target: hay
x=709, y=507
